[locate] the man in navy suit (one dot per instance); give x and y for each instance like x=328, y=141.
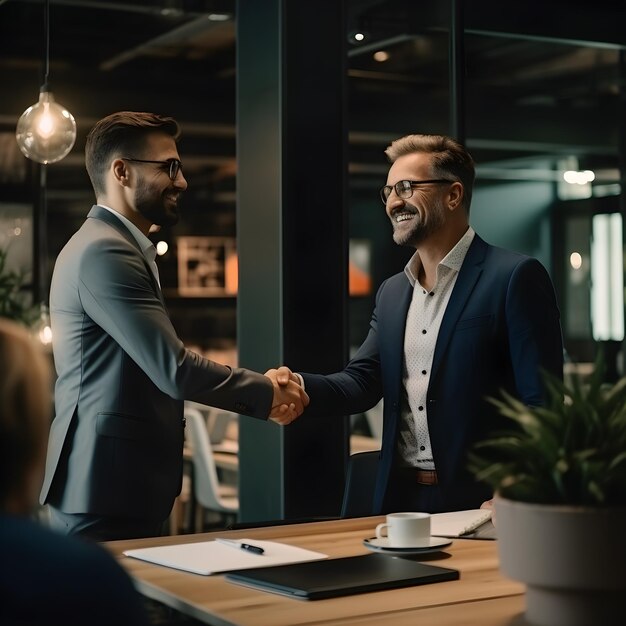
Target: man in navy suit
x=463, y=321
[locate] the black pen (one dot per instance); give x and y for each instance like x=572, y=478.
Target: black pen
x=248, y=547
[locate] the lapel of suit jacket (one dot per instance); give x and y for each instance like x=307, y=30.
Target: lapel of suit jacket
x=99, y=213
x=392, y=320
x=465, y=282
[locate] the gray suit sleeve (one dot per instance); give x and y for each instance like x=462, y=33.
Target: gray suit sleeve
x=117, y=294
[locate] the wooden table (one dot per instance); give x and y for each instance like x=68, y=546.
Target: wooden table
x=362, y=443
x=481, y=596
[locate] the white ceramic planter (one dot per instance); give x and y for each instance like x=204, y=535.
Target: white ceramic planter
x=572, y=559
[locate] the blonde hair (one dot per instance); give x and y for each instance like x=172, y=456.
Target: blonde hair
x=449, y=159
x=25, y=407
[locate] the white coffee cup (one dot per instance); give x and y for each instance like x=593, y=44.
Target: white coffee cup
x=405, y=530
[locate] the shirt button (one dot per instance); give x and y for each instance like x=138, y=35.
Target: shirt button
x=420, y=408
x=424, y=332
x=432, y=293
x=424, y=291
x=422, y=448
x=424, y=372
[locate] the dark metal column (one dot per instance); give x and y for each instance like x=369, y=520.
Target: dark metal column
x=622, y=169
x=292, y=242
x=622, y=130
x=457, y=71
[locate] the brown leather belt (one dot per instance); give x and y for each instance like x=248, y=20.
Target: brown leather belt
x=426, y=477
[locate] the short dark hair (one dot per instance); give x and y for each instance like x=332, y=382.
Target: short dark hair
x=122, y=134
x=450, y=159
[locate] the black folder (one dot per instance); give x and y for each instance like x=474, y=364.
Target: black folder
x=329, y=578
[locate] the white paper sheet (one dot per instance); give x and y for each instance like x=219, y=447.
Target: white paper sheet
x=211, y=557
x=458, y=523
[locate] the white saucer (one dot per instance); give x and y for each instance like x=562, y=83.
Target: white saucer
x=381, y=544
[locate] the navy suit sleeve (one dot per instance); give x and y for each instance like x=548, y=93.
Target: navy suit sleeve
x=355, y=389
x=533, y=323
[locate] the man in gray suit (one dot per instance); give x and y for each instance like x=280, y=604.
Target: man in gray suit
x=114, y=463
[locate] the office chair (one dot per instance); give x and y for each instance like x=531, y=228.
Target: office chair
x=217, y=420
x=208, y=492
x=360, y=481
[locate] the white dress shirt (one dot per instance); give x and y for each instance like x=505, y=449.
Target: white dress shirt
x=422, y=327
x=147, y=247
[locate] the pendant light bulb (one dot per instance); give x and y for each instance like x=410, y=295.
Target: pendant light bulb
x=42, y=328
x=46, y=131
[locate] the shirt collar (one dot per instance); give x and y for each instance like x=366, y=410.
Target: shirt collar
x=453, y=260
x=147, y=247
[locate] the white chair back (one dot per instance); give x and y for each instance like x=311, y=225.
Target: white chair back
x=205, y=481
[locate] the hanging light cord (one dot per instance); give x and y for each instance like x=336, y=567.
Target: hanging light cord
x=46, y=26
x=46, y=131
x=43, y=177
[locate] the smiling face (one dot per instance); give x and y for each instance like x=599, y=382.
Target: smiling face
x=422, y=215
x=155, y=195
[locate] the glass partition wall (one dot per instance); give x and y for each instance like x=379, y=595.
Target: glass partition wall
x=540, y=106
x=535, y=88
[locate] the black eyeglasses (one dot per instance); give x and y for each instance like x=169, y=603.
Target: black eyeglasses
x=404, y=188
x=174, y=165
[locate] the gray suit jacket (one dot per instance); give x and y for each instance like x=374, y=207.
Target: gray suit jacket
x=116, y=442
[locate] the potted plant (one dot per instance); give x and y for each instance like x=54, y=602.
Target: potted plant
x=14, y=302
x=559, y=478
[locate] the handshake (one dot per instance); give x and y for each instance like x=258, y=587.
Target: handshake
x=289, y=397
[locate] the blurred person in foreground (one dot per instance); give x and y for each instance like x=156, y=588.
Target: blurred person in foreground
x=45, y=578
x=115, y=453
x=463, y=321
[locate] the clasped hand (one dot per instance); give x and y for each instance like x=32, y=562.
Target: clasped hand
x=289, y=397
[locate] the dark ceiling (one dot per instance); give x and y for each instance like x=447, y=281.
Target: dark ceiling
x=542, y=78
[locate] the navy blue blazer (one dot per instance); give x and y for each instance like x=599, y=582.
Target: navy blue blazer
x=500, y=328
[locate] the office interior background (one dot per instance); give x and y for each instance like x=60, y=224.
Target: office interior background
x=286, y=108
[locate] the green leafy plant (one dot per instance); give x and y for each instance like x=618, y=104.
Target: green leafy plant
x=570, y=451
x=14, y=302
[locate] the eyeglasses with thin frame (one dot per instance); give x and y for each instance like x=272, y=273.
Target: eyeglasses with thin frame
x=175, y=165
x=404, y=188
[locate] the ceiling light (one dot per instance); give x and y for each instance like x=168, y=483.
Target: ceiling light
x=219, y=17
x=576, y=260
x=357, y=35
x=578, y=178
x=381, y=56
x=46, y=131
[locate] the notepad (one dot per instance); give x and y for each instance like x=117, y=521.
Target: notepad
x=211, y=557
x=458, y=523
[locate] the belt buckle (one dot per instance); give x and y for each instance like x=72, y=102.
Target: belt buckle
x=426, y=477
